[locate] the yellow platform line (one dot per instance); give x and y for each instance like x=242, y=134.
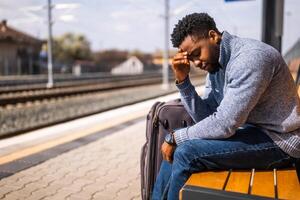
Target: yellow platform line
x=72, y=136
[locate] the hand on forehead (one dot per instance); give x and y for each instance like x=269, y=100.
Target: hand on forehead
x=181, y=51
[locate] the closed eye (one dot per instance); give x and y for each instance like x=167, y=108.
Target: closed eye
x=195, y=55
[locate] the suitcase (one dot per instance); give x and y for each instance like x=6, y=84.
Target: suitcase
x=161, y=118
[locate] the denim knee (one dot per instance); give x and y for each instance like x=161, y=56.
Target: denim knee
x=183, y=154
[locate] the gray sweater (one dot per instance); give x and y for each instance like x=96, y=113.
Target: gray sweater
x=253, y=86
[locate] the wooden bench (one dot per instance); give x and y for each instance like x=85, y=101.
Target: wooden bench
x=251, y=184
x=235, y=184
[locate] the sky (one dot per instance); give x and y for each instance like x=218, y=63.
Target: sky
x=138, y=24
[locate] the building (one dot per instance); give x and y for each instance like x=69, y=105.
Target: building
x=19, y=52
x=131, y=66
x=83, y=66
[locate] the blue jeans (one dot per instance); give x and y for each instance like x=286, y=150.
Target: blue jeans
x=248, y=148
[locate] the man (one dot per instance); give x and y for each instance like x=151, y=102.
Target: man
x=249, y=116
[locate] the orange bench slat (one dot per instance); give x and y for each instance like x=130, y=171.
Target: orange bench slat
x=263, y=184
x=288, y=185
x=214, y=180
x=238, y=181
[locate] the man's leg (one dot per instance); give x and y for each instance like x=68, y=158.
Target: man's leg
x=162, y=182
x=248, y=148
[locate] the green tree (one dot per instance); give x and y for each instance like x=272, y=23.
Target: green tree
x=70, y=47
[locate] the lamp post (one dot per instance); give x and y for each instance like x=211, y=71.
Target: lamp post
x=272, y=24
x=165, y=84
x=50, y=66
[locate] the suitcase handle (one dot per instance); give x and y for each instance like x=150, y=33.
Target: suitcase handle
x=165, y=125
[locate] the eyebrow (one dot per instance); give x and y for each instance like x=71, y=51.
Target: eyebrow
x=189, y=53
x=192, y=51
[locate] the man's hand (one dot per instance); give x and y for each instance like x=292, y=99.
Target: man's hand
x=181, y=65
x=167, y=151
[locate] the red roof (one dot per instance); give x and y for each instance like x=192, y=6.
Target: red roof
x=11, y=34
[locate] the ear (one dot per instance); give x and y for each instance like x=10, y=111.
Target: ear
x=214, y=37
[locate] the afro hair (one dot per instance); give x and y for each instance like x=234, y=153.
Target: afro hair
x=196, y=24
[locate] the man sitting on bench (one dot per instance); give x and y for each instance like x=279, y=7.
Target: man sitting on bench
x=249, y=116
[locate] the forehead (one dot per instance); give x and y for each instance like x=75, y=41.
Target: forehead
x=187, y=44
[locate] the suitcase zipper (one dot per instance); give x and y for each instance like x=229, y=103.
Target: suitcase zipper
x=156, y=120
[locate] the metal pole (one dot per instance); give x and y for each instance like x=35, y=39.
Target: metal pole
x=165, y=84
x=50, y=72
x=272, y=24
x=279, y=14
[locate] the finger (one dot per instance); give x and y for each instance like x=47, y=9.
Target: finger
x=178, y=62
x=164, y=156
x=181, y=61
x=180, y=56
x=181, y=51
x=169, y=159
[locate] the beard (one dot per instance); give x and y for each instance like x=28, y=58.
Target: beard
x=213, y=62
x=215, y=67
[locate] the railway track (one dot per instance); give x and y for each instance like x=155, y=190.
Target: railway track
x=16, y=97
x=33, y=114
x=21, y=84
x=34, y=95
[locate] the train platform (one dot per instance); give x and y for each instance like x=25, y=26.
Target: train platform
x=96, y=157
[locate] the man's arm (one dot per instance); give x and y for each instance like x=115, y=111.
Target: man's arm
x=192, y=102
x=181, y=69
x=197, y=107
x=248, y=78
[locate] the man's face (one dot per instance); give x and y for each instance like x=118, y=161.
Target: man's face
x=203, y=53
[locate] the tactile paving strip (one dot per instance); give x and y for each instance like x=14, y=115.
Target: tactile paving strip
x=15, y=166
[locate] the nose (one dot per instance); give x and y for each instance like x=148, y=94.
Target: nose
x=197, y=62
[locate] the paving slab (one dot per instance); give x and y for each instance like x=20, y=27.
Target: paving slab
x=108, y=175
x=106, y=168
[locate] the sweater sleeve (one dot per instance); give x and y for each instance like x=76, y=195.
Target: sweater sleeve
x=197, y=107
x=248, y=77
